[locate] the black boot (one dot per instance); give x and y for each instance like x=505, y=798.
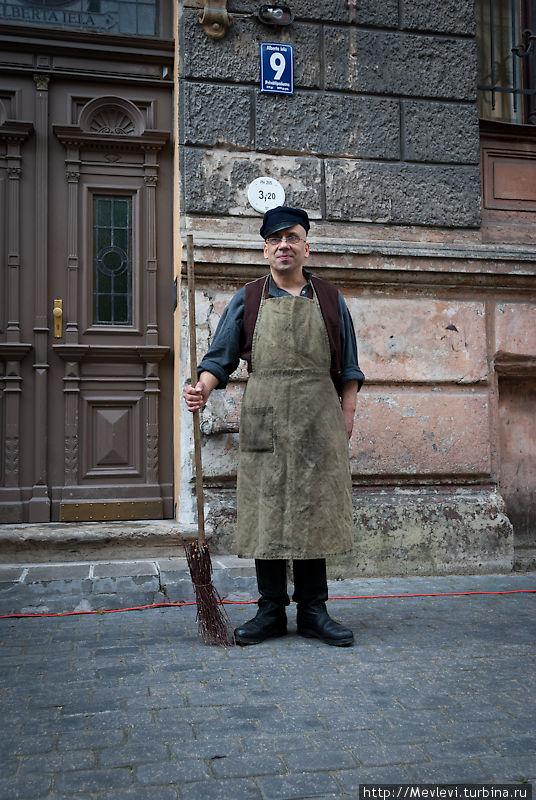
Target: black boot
x=311, y=593
x=270, y=620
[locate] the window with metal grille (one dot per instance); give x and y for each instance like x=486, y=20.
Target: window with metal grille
x=112, y=260
x=506, y=40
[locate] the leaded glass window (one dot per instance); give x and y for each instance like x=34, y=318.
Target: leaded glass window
x=109, y=16
x=112, y=260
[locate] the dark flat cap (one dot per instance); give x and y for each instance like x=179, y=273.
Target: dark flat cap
x=281, y=217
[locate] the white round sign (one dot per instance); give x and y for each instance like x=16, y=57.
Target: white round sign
x=265, y=193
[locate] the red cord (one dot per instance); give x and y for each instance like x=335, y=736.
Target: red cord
x=248, y=602
x=431, y=594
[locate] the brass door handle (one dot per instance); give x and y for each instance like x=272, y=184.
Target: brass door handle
x=57, y=311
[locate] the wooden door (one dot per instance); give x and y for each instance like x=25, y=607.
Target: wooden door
x=91, y=287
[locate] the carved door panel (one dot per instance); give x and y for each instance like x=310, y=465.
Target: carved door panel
x=86, y=326
x=110, y=257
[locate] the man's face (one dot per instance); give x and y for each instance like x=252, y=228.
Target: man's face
x=286, y=256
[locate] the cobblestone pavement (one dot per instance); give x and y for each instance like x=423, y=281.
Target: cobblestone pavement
x=132, y=706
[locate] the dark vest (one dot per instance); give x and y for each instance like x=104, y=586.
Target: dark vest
x=328, y=297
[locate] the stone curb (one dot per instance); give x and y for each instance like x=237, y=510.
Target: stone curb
x=93, y=585
x=55, y=587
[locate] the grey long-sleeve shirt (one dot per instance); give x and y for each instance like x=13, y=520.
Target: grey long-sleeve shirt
x=223, y=355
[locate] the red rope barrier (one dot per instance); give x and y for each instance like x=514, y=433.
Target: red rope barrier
x=249, y=602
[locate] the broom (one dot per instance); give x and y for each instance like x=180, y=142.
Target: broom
x=212, y=620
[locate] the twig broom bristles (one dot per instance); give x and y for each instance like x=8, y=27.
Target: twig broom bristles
x=213, y=622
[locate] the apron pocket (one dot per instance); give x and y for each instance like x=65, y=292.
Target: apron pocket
x=257, y=430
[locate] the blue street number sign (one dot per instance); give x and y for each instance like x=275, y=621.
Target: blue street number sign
x=277, y=68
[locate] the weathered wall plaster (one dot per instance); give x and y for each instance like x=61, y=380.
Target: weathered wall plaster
x=425, y=339
x=403, y=432
x=431, y=531
x=515, y=328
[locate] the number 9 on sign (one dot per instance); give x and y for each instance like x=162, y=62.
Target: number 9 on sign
x=278, y=64
x=277, y=67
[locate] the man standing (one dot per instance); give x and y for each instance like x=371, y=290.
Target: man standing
x=294, y=485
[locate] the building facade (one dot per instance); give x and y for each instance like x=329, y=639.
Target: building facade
x=410, y=140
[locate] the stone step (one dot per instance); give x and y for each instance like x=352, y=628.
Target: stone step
x=110, y=584
x=87, y=541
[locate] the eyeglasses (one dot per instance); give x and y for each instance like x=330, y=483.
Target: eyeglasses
x=292, y=239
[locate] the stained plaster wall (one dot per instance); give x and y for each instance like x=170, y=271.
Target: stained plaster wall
x=380, y=144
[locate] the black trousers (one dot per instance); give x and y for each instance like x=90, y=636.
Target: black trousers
x=310, y=581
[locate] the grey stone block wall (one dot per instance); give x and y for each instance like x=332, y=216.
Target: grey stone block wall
x=442, y=16
x=216, y=180
x=366, y=12
x=382, y=126
x=439, y=132
x=235, y=58
x=330, y=124
x=399, y=64
x=208, y=120
x=402, y=193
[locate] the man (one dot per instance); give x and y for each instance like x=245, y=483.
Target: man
x=294, y=486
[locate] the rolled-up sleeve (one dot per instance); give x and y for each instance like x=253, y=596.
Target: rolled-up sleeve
x=223, y=355
x=349, y=365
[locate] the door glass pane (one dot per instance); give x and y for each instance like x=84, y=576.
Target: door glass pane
x=103, y=211
x=112, y=260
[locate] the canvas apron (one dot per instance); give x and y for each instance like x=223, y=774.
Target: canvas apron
x=294, y=484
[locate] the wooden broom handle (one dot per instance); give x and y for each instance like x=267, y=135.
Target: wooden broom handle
x=190, y=272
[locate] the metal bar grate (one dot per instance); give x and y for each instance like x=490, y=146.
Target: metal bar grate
x=507, y=45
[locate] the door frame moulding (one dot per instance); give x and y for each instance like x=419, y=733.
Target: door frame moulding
x=515, y=365
x=13, y=135
x=110, y=124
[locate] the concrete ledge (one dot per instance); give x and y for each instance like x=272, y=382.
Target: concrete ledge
x=430, y=531
x=422, y=530
x=86, y=541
